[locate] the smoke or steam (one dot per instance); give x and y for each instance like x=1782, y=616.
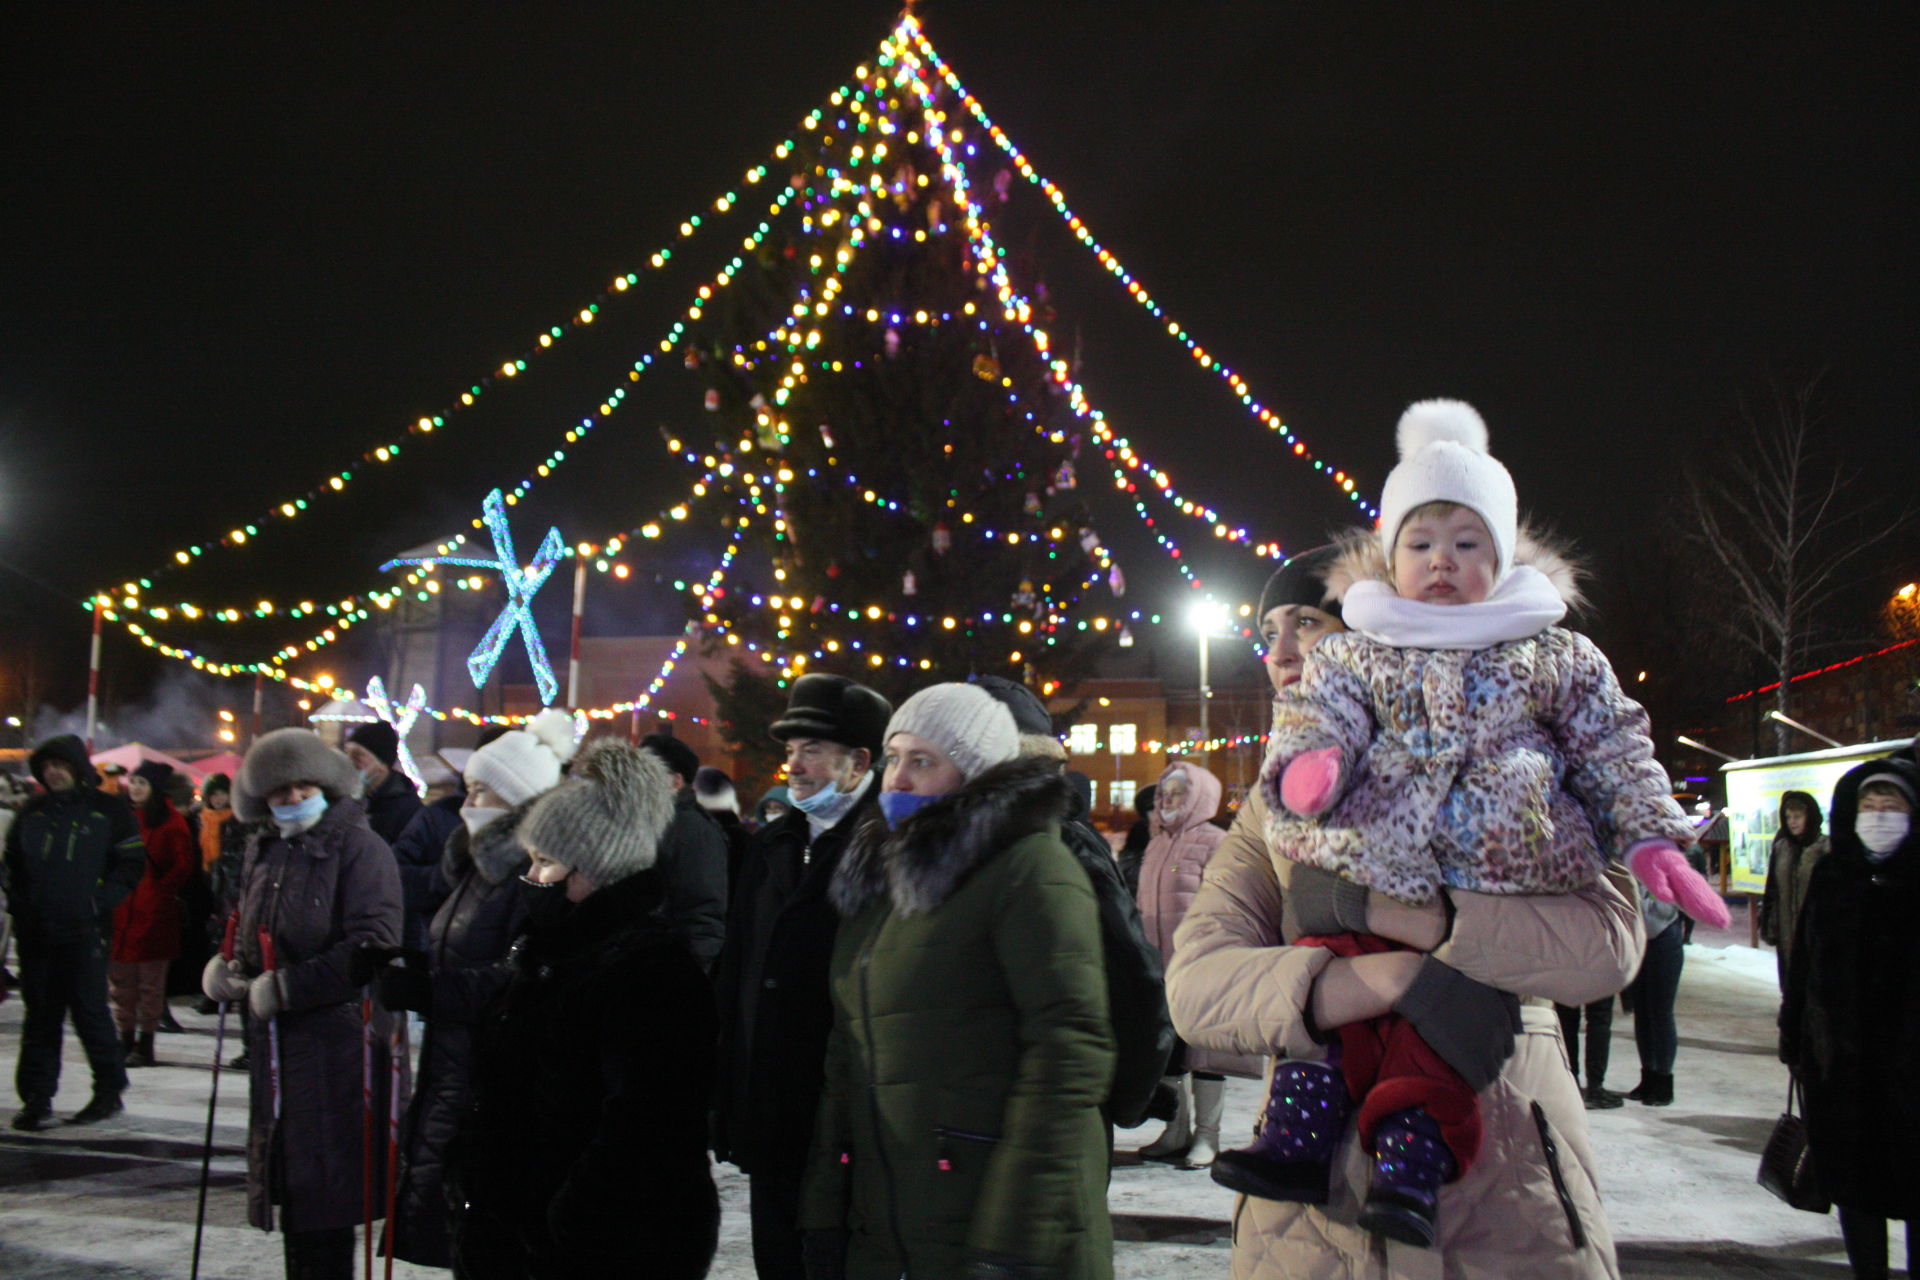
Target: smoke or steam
x=181, y=713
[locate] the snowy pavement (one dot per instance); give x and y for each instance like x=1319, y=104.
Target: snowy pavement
x=117, y=1201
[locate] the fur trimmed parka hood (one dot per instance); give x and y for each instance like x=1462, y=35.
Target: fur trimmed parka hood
x=921, y=864
x=284, y=757
x=1361, y=556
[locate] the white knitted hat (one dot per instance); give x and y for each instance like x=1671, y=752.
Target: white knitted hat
x=963, y=720
x=1444, y=458
x=605, y=821
x=518, y=766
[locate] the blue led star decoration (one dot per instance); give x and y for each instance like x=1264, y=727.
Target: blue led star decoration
x=402, y=720
x=521, y=585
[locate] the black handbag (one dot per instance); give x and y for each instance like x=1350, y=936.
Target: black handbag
x=1786, y=1165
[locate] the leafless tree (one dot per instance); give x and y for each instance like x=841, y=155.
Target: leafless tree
x=1783, y=521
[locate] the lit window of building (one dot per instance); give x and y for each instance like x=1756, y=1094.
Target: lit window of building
x=1120, y=739
x=1083, y=739
x=1120, y=794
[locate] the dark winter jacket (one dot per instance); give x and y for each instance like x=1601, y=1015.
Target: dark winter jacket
x=775, y=1010
x=323, y=894
x=466, y=951
x=1136, y=989
x=971, y=1053
x=693, y=873
x=418, y=850
x=146, y=926
x=585, y=1154
x=71, y=856
x=1789, y=868
x=391, y=805
x=1850, y=1023
x=223, y=870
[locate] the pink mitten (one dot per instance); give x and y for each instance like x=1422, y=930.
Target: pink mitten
x=1308, y=784
x=1661, y=867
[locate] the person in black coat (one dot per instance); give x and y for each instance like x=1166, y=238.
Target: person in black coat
x=578, y=1158
x=775, y=1011
x=391, y=798
x=1850, y=1022
x=693, y=856
x=72, y=855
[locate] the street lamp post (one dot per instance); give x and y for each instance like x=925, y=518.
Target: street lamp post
x=1811, y=733
x=1207, y=616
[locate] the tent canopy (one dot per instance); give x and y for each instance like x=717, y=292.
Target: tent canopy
x=135, y=754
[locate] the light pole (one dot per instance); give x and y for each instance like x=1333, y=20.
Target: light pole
x=1208, y=617
x=1811, y=733
x=1685, y=741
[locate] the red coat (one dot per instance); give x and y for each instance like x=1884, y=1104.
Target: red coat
x=146, y=926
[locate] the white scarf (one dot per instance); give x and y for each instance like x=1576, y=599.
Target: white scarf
x=1524, y=604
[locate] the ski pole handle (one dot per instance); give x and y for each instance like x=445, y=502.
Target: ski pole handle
x=266, y=951
x=226, y=939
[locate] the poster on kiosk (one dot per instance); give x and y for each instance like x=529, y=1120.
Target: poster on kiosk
x=1754, y=788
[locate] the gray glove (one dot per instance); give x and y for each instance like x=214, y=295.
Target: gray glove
x=1324, y=903
x=1469, y=1024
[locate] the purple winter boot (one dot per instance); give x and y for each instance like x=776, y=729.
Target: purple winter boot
x=1291, y=1155
x=1410, y=1163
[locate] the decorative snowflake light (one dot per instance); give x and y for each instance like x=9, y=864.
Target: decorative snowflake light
x=402, y=720
x=521, y=585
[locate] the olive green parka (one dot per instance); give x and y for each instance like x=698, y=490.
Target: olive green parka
x=971, y=1049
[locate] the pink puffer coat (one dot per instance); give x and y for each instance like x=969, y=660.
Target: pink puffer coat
x=1170, y=874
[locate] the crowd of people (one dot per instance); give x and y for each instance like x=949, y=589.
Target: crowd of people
x=914, y=993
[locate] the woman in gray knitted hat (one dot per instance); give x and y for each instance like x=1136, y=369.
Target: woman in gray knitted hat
x=582, y=1155
x=960, y=1132
x=318, y=885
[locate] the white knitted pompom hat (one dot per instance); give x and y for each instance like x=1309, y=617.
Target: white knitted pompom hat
x=1444, y=458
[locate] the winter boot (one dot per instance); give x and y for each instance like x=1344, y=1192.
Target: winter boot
x=1172, y=1144
x=126, y=1047
x=35, y=1116
x=1656, y=1089
x=1410, y=1163
x=1291, y=1155
x=167, y=1022
x=103, y=1106
x=142, y=1052
x=1209, y=1099
x=1601, y=1099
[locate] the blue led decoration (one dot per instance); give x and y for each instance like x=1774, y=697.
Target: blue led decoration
x=521, y=585
x=402, y=720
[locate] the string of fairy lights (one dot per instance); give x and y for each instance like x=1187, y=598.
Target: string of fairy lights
x=909, y=51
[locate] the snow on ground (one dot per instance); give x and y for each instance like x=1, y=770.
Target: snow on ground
x=117, y=1201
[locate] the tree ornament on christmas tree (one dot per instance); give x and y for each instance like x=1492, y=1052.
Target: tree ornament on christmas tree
x=1117, y=582
x=402, y=722
x=1126, y=637
x=693, y=358
x=1064, y=479
x=826, y=435
x=1089, y=541
x=1032, y=504
x=892, y=342
x=1024, y=597
x=521, y=585
x=713, y=399
x=985, y=367
x=909, y=585
x=942, y=539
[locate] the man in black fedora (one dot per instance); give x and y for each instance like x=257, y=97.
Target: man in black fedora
x=774, y=1007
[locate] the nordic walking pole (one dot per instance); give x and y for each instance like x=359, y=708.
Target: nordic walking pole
x=396, y=1066
x=273, y=1065
x=366, y=1131
x=213, y=1103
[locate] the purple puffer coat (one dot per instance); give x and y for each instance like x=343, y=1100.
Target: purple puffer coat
x=321, y=895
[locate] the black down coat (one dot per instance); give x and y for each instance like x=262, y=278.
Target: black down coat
x=585, y=1154
x=466, y=950
x=323, y=894
x=1850, y=1022
x=775, y=1009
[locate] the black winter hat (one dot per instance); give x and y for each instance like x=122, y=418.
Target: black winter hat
x=675, y=754
x=157, y=773
x=379, y=738
x=1029, y=713
x=1301, y=580
x=216, y=782
x=68, y=750
x=834, y=709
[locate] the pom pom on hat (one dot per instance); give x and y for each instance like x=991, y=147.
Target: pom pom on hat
x=1444, y=458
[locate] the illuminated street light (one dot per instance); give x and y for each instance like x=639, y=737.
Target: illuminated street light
x=1811, y=733
x=1685, y=741
x=1209, y=618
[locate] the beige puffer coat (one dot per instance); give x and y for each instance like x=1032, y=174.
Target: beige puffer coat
x=1170, y=874
x=1529, y=1206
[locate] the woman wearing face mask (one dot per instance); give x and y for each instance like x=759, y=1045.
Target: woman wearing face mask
x=483, y=912
x=1847, y=1027
x=583, y=1154
x=320, y=885
x=1185, y=800
x=959, y=1132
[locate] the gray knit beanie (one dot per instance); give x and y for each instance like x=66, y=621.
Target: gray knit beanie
x=963, y=720
x=605, y=821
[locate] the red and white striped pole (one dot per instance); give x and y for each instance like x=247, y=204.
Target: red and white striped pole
x=93, y=673
x=579, y=607
x=259, y=680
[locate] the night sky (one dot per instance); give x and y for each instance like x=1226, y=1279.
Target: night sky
x=244, y=243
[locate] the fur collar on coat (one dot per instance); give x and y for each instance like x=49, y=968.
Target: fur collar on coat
x=495, y=853
x=1361, y=558
x=920, y=865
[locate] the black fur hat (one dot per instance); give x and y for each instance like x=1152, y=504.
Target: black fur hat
x=834, y=709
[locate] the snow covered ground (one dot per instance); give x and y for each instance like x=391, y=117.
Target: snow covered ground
x=117, y=1201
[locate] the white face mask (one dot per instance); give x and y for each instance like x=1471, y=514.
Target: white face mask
x=1882, y=830
x=478, y=816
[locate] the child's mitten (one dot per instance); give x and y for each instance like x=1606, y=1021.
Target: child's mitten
x=1661, y=867
x=1311, y=779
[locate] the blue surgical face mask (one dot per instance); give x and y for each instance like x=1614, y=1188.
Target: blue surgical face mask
x=819, y=800
x=898, y=806
x=298, y=817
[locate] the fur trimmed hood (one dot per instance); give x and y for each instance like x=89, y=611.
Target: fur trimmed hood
x=931, y=855
x=1360, y=556
x=287, y=756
